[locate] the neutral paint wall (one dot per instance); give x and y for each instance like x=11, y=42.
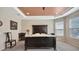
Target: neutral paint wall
x=6, y=28
x=5, y=17
x=69, y=39
x=66, y=37
x=27, y=24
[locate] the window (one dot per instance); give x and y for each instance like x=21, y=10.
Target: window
x=74, y=27
x=59, y=27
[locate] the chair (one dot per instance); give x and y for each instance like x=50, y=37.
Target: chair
x=9, y=43
x=52, y=33
x=21, y=36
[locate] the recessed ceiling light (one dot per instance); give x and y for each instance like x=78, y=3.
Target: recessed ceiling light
x=27, y=13
x=56, y=13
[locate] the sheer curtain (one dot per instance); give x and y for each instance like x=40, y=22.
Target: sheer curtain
x=74, y=27
x=59, y=27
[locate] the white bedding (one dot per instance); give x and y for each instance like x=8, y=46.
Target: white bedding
x=40, y=35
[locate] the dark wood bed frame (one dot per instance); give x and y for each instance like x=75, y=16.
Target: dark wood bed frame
x=39, y=42
x=39, y=29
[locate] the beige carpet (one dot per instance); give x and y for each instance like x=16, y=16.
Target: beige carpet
x=61, y=46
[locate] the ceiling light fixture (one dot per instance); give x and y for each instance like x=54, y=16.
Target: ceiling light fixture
x=56, y=13
x=27, y=13
x=43, y=8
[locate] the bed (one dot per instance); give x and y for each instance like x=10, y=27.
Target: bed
x=40, y=38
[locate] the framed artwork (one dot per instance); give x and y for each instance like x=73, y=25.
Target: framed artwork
x=13, y=25
x=1, y=23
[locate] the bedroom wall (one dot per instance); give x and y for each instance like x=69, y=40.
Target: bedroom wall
x=5, y=17
x=27, y=24
x=69, y=39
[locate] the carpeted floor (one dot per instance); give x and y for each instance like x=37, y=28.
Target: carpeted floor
x=61, y=46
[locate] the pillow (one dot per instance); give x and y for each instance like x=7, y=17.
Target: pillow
x=36, y=34
x=43, y=34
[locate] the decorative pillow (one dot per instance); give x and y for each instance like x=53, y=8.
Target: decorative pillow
x=43, y=34
x=36, y=34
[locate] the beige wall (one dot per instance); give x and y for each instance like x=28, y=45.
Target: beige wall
x=27, y=24
x=66, y=37
x=6, y=28
x=70, y=40
x=5, y=17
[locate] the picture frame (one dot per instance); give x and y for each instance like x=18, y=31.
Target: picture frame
x=1, y=23
x=13, y=25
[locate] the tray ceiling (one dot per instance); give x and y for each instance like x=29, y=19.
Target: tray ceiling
x=44, y=11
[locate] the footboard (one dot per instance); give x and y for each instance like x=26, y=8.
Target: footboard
x=40, y=42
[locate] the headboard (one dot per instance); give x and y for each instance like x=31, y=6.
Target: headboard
x=39, y=29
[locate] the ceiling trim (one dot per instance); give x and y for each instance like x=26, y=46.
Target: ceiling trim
x=19, y=11
x=38, y=17
x=68, y=13
x=74, y=9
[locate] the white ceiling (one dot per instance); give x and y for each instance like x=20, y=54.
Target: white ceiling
x=10, y=12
